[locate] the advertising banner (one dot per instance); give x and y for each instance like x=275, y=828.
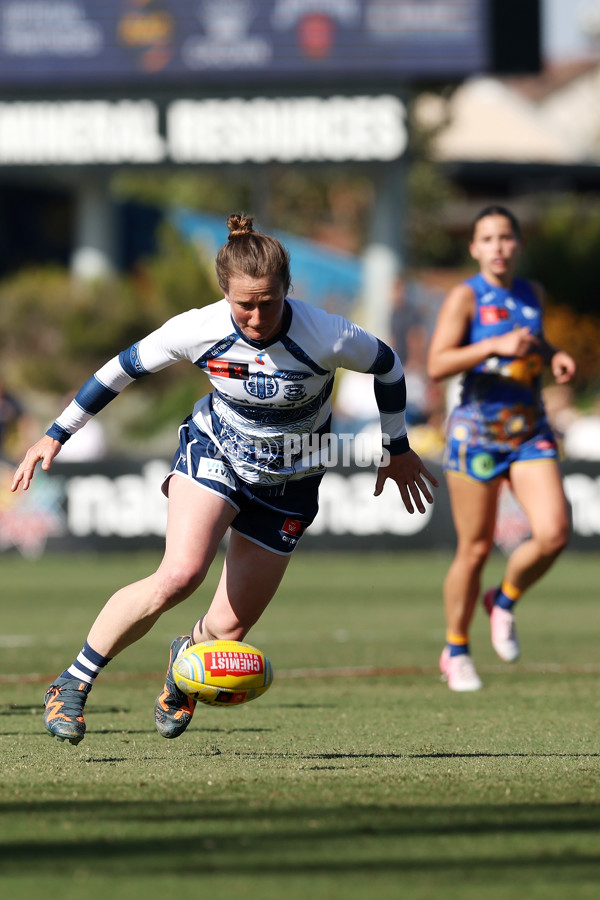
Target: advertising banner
x=103, y=42
x=118, y=505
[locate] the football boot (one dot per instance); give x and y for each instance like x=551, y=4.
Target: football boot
x=64, y=701
x=173, y=709
x=502, y=625
x=459, y=672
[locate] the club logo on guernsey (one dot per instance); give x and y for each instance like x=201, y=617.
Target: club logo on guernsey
x=261, y=386
x=294, y=391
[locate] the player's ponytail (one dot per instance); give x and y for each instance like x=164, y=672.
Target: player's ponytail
x=252, y=253
x=239, y=225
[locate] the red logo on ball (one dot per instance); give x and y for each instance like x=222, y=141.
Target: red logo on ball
x=232, y=662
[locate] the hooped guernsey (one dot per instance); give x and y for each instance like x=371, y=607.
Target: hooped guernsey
x=268, y=397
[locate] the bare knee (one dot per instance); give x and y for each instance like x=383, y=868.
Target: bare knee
x=474, y=554
x=553, y=542
x=174, y=584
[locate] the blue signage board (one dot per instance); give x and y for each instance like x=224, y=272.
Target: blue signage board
x=120, y=43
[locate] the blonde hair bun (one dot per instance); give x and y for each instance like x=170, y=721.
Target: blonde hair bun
x=239, y=225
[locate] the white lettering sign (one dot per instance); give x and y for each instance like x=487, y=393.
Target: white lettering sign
x=79, y=132
x=126, y=506
x=133, y=506
x=259, y=130
x=583, y=493
x=301, y=129
x=56, y=27
x=347, y=506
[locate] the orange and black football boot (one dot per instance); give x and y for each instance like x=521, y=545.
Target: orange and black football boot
x=173, y=709
x=64, y=701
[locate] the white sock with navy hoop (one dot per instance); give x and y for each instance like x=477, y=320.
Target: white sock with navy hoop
x=87, y=666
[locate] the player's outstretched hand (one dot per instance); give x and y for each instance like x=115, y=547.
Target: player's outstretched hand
x=45, y=450
x=409, y=473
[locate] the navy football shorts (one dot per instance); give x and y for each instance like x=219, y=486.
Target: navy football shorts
x=272, y=516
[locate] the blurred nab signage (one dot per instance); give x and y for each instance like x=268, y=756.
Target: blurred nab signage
x=323, y=277
x=75, y=43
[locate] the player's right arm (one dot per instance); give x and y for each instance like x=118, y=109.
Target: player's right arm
x=161, y=348
x=450, y=355
x=43, y=451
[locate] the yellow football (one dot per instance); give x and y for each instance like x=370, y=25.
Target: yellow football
x=222, y=673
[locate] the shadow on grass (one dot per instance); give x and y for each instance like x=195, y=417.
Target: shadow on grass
x=13, y=709
x=153, y=837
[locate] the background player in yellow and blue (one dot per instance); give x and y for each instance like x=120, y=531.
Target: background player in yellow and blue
x=489, y=330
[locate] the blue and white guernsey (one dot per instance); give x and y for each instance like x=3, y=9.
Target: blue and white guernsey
x=268, y=396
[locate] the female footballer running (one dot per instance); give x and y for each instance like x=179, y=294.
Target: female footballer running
x=490, y=330
x=240, y=464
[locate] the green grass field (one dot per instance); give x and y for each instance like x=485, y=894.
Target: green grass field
x=371, y=781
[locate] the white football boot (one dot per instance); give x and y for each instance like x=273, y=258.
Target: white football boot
x=502, y=625
x=459, y=672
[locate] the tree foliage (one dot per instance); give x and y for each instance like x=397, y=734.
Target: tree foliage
x=330, y=205
x=55, y=330
x=563, y=249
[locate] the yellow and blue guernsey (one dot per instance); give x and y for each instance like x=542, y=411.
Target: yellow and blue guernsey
x=500, y=418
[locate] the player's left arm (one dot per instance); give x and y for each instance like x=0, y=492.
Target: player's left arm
x=399, y=462
x=409, y=472
x=562, y=364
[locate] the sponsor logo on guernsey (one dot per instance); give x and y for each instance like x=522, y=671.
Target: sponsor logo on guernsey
x=529, y=312
x=544, y=445
x=261, y=386
x=492, y=315
x=259, y=358
x=287, y=375
x=291, y=531
x=232, y=662
x=293, y=527
x=215, y=470
x=228, y=369
x=488, y=297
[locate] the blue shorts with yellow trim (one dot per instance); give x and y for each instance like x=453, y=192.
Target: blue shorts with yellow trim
x=471, y=454
x=272, y=516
